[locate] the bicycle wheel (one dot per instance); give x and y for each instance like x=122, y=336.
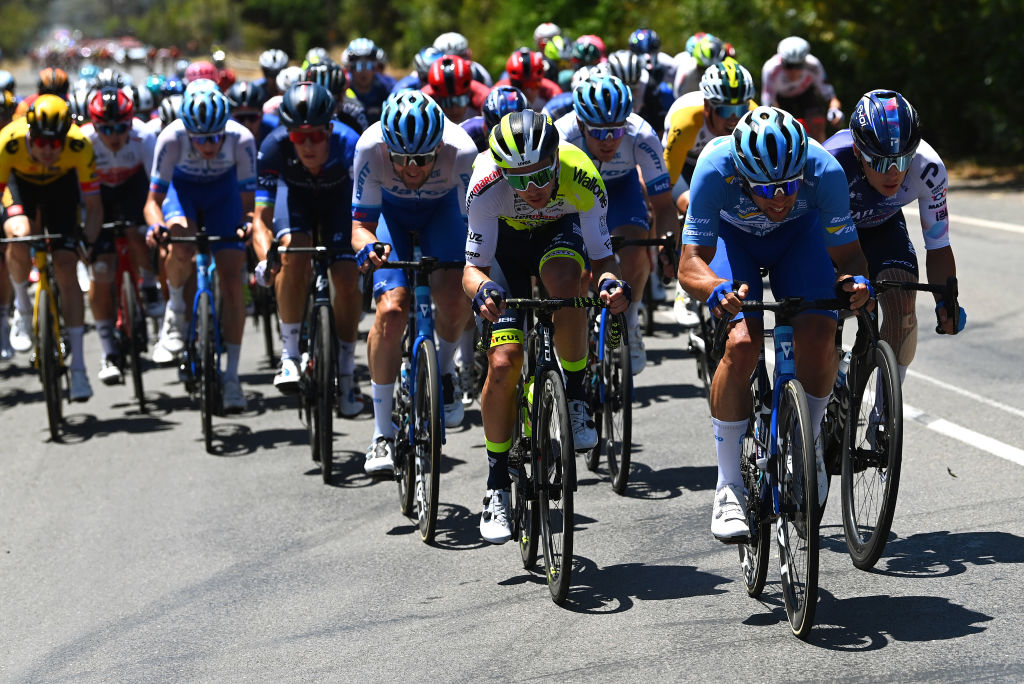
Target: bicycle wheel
x=323, y=393
x=754, y=552
x=798, y=509
x=49, y=365
x=556, y=481
x=872, y=455
x=617, y=373
x=405, y=469
x=593, y=384
x=265, y=308
x=523, y=499
x=207, y=372
x=649, y=306
x=706, y=365
x=133, y=332
x=427, y=445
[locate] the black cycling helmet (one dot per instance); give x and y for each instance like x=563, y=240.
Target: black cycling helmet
x=329, y=74
x=306, y=104
x=246, y=95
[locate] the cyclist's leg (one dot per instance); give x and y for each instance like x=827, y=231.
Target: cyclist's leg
x=177, y=208
x=291, y=229
x=222, y=213
x=627, y=216
x=18, y=260
x=101, y=293
x=336, y=219
x=131, y=198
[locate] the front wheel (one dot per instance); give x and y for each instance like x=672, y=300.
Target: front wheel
x=404, y=454
x=133, y=331
x=523, y=507
x=426, y=419
x=617, y=374
x=872, y=455
x=556, y=483
x=49, y=360
x=323, y=395
x=798, y=509
x=207, y=362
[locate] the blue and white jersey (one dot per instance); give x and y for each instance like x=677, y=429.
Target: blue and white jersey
x=376, y=180
x=176, y=157
x=639, y=147
x=717, y=194
x=926, y=181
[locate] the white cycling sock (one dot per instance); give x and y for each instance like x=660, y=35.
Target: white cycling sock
x=21, y=299
x=290, y=340
x=728, y=447
x=176, y=299
x=234, y=354
x=105, y=329
x=346, y=357
x=817, y=406
x=466, y=347
x=76, y=333
x=383, y=400
x=633, y=315
x=446, y=355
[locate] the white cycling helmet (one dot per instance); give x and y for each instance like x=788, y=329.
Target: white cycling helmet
x=273, y=61
x=794, y=50
x=452, y=43
x=289, y=76
x=545, y=32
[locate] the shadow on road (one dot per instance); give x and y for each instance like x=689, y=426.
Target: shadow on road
x=82, y=427
x=943, y=554
x=457, y=529
x=645, y=395
x=647, y=483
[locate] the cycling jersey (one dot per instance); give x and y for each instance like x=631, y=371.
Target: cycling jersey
x=639, y=147
x=175, y=157
x=546, y=90
x=376, y=180
x=477, y=130
x=925, y=181
x=409, y=82
x=114, y=168
x=477, y=94
x=777, y=81
x=687, y=76
x=686, y=135
x=492, y=203
x=717, y=193
x=481, y=75
x=559, y=106
x=77, y=156
x=373, y=98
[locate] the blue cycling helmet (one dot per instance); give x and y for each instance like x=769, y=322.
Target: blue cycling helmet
x=602, y=101
x=205, y=112
x=885, y=124
x=644, y=41
x=769, y=145
x=412, y=123
x=501, y=101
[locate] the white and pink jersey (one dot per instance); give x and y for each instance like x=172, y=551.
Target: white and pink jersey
x=114, y=168
x=777, y=81
x=176, y=156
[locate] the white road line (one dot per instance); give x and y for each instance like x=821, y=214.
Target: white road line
x=965, y=435
x=970, y=395
x=981, y=223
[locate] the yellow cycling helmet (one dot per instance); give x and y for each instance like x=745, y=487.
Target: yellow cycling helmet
x=48, y=117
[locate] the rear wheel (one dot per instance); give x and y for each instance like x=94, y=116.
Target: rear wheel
x=49, y=362
x=872, y=456
x=593, y=384
x=754, y=552
x=649, y=306
x=617, y=373
x=206, y=361
x=706, y=365
x=323, y=394
x=404, y=454
x=133, y=331
x=523, y=500
x=556, y=482
x=798, y=509
x=426, y=417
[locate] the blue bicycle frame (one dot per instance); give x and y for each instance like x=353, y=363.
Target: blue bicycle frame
x=205, y=268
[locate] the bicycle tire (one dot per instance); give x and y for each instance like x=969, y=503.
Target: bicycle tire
x=872, y=457
x=523, y=497
x=405, y=469
x=556, y=482
x=798, y=509
x=754, y=552
x=324, y=360
x=207, y=372
x=49, y=365
x=427, y=412
x=133, y=333
x=266, y=310
x=706, y=365
x=593, y=384
x=649, y=306
x=617, y=372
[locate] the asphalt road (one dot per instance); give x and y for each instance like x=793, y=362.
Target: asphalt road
x=127, y=553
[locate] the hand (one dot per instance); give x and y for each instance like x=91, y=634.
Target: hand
x=945, y=323
x=834, y=116
x=244, y=231
x=264, y=273
x=616, y=294
x=376, y=253
x=856, y=288
x=725, y=299
x=489, y=300
x=156, y=235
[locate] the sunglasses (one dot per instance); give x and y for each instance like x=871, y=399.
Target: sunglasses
x=316, y=136
x=454, y=101
x=114, y=129
x=882, y=164
x=522, y=181
x=770, y=190
x=246, y=117
x=211, y=139
x=727, y=111
x=413, y=159
x=605, y=132
x=48, y=142
x=364, y=65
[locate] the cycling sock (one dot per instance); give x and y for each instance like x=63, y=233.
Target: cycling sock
x=289, y=340
x=105, y=329
x=466, y=347
x=633, y=315
x=817, y=406
x=75, y=335
x=346, y=357
x=21, y=299
x=574, y=372
x=176, y=299
x=446, y=355
x=383, y=400
x=903, y=373
x=497, y=462
x=234, y=354
x=728, y=446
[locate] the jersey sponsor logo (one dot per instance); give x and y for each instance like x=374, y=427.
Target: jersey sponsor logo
x=475, y=237
x=655, y=157
x=939, y=195
x=697, y=221
x=12, y=146
x=364, y=173
x=937, y=206
x=592, y=183
x=485, y=181
x=472, y=255
x=76, y=144
x=941, y=216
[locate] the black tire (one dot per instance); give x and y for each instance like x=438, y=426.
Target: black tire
x=649, y=306
x=617, y=381
x=556, y=482
x=525, y=521
x=706, y=365
x=404, y=455
x=48, y=355
x=133, y=333
x=798, y=514
x=324, y=361
x=872, y=456
x=592, y=384
x=754, y=552
x=426, y=462
x=206, y=363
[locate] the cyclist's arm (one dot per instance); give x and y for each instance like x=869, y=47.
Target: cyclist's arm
x=262, y=230
x=93, y=216
x=665, y=216
x=153, y=211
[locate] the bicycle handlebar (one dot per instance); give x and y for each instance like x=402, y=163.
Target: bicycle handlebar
x=950, y=294
x=790, y=306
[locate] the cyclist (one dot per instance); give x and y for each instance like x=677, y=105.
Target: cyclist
x=271, y=63
x=558, y=61
x=453, y=43
x=412, y=169
x=545, y=32
x=793, y=79
x=370, y=87
x=48, y=167
x=124, y=155
x=619, y=143
x=767, y=197
x=526, y=71
x=421, y=68
x=646, y=44
x=888, y=166
x=51, y=82
x=651, y=98
x=347, y=110
x=451, y=84
x=305, y=169
x=691, y=65
x=245, y=103
x=562, y=104
x=204, y=163
x=8, y=103
x=537, y=207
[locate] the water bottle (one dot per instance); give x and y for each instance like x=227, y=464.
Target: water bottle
x=528, y=409
x=844, y=367
x=405, y=373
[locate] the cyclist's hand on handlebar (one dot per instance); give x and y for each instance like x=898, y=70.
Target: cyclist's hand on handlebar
x=616, y=294
x=372, y=254
x=264, y=272
x=946, y=324
x=244, y=231
x=156, y=235
x=489, y=300
x=725, y=299
x=834, y=116
x=855, y=288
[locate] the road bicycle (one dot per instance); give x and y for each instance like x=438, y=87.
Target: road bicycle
x=264, y=309
x=669, y=246
x=130, y=330
x=609, y=385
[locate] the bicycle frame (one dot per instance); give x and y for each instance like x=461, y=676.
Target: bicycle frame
x=205, y=267
x=44, y=265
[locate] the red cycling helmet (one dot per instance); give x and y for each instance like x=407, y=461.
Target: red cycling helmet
x=450, y=76
x=525, y=68
x=110, y=104
x=202, y=69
